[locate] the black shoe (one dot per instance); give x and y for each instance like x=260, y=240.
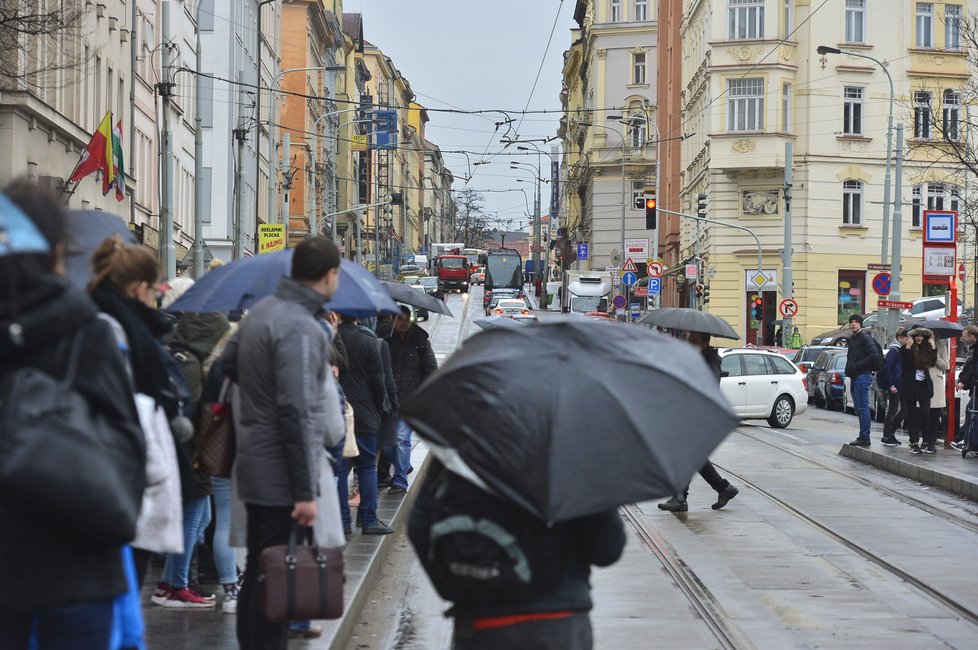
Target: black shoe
x=929, y=449
x=410, y=469
x=379, y=528
x=915, y=448
x=724, y=497
x=675, y=505
x=958, y=444
x=397, y=489
x=347, y=531
x=860, y=442
x=890, y=442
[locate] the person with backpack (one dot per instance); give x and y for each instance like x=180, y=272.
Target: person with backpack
x=865, y=357
x=918, y=388
x=514, y=581
x=889, y=380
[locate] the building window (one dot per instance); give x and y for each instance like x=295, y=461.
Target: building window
x=638, y=68
x=925, y=25
x=745, y=107
x=636, y=131
x=921, y=115
x=951, y=117
x=952, y=27
x=851, y=294
x=939, y=197
x=855, y=21
x=745, y=19
x=616, y=11
x=852, y=203
x=786, y=108
x=641, y=10
x=789, y=23
x=915, y=208
x=852, y=110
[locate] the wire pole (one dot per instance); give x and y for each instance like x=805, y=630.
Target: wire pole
x=165, y=89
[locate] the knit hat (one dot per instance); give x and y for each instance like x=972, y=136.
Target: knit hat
x=857, y=318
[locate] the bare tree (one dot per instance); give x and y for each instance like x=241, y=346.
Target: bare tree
x=37, y=37
x=471, y=218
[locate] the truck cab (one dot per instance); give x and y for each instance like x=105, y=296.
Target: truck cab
x=585, y=291
x=453, y=274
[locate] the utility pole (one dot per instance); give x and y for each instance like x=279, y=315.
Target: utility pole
x=240, y=133
x=165, y=89
x=313, y=215
x=286, y=176
x=897, y=237
x=786, y=270
x=198, y=163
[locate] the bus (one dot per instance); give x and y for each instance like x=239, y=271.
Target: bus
x=476, y=257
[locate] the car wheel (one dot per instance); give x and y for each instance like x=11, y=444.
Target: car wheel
x=782, y=413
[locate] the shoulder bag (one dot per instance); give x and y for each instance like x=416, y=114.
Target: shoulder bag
x=350, y=448
x=215, y=435
x=301, y=580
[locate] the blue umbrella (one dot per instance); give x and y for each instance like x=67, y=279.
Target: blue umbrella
x=87, y=229
x=18, y=234
x=240, y=284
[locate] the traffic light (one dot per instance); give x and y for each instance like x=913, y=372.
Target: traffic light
x=650, y=220
x=757, y=308
x=701, y=205
x=397, y=198
x=639, y=202
x=699, y=291
x=706, y=294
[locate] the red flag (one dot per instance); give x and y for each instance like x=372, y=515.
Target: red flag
x=97, y=155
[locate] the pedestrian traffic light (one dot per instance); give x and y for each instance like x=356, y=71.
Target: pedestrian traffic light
x=701, y=205
x=699, y=291
x=650, y=220
x=706, y=294
x=757, y=308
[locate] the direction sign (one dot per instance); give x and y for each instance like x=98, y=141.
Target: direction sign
x=655, y=286
x=629, y=267
x=894, y=304
x=628, y=278
x=619, y=301
x=582, y=251
x=654, y=268
x=881, y=284
x=877, y=267
x=788, y=307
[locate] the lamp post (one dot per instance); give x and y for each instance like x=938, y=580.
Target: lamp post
x=536, y=221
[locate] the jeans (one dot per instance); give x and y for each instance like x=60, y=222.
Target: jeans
x=366, y=468
x=402, y=458
x=918, y=413
x=84, y=626
x=227, y=567
x=860, y=401
x=267, y=526
x=196, y=517
x=894, y=411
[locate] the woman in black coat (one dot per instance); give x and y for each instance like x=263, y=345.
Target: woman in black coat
x=62, y=587
x=917, y=388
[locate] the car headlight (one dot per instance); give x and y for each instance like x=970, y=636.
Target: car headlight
x=827, y=339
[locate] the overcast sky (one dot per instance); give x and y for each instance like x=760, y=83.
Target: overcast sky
x=473, y=55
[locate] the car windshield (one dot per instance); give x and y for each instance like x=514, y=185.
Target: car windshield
x=428, y=282
x=584, y=304
x=453, y=262
x=504, y=271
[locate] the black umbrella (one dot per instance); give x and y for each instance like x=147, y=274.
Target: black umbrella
x=942, y=329
x=87, y=229
x=415, y=297
x=575, y=417
x=494, y=322
x=690, y=320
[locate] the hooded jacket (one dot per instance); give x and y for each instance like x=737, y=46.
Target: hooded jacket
x=892, y=373
x=43, y=568
x=414, y=360
x=918, y=357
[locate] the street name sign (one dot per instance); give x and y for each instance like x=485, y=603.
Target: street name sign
x=894, y=304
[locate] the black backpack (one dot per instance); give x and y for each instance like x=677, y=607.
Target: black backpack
x=482, y=550
x=875, y=354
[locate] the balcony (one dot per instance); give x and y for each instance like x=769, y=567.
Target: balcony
x=748, y=150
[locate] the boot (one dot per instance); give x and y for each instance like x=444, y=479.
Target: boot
x=724, y=496
x=674, y=505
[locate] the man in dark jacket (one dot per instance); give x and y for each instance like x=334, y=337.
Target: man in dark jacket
x=414, y=361
x=967, y=380
x=862, y=358
x=365, y=389
x=888, y=380
x=725, y=491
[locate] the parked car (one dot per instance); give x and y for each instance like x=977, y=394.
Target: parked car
x=510, y=307
x=410, y=280
x=928, y=308
x=410, y=269
x=842, y=335
x=478, y=276
x=806, y=355
x=826, y=379
x=762, y=385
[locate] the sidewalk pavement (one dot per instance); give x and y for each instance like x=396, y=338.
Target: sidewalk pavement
x=945, y=469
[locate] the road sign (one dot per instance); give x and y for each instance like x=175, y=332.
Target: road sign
x=940, y=226
x=636, y=309
x=628, y=278
x=894, y=304
x=655, y=268
x=877, y=267
x=629, y=267
x=619, y=301
x=788, y=308
x=655, y=286
x=582, y=251
x=881, y=284
x=692, y=271
x=640, y=292
x=615, y=278
x=961, y=272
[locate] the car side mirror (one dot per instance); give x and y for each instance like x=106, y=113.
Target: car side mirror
x=724, y=373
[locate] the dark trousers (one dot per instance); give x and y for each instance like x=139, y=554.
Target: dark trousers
x=267, y=526
x=894, y=411
x=85, y=626
x=918, y=413
x=711, y=476
x=571, y=633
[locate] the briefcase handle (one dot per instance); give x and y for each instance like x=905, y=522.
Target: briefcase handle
x=306, y=536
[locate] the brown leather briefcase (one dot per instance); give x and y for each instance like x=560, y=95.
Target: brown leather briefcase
x=301, y=581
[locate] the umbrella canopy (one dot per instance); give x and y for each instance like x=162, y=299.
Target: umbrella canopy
x=690, y=320
x=18, y=234
x=942, y=329
x=87, y=229
x=624, y=415
x=493, y=322
x=415, y=297
x=241, y=283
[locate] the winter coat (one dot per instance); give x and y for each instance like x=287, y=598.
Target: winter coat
x=914, y=357
x=891, y=374
x=969, y=373
x=414, y=360
x=939, y=399
x=286, y=407
x=363, y=382
x=192, y=342
x=42, y=567
x=862, y=351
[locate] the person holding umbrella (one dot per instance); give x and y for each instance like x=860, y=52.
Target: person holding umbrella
x=725, y=491
x=918, y=387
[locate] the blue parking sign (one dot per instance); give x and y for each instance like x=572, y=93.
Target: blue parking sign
x=582, y=251
x=655, y=286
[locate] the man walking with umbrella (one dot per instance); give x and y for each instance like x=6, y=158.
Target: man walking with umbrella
x=725, y=491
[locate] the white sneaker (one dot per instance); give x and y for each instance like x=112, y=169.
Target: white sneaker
x=230, y=604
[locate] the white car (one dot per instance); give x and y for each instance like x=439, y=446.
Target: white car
x=762, y=385
x=929, y=308
x=510, y=308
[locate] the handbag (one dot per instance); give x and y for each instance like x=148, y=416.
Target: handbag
x=350, y=448
x=63, y=461
x=215, y=436
x=301, y=580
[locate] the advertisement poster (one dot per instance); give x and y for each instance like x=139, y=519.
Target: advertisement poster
x=271, y=237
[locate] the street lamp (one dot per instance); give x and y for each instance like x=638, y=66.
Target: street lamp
x=536, y=217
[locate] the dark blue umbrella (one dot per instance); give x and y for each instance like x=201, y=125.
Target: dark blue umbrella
x=18, y=234
x=87, y=229
x=240, y=284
